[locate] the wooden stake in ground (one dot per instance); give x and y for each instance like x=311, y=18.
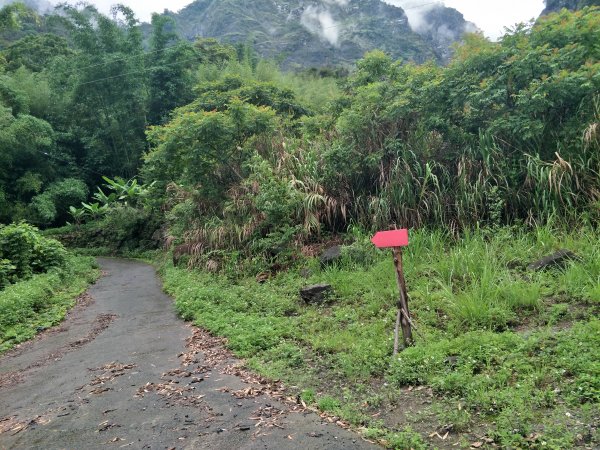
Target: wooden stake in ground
x=396, y=239
x=403, y=317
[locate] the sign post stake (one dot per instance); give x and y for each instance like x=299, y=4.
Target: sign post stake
x=403, y=317
x=396, y=239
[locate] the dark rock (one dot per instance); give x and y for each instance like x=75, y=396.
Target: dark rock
x=331, y=255
x=315, y=294
x=452, y=361
x=557, y=259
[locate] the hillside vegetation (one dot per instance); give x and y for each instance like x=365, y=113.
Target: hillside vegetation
x=557, y=5
x=233, y=176
x=304, y=34
x=507, y=133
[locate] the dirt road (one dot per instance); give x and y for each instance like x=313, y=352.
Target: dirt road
x=124, y=372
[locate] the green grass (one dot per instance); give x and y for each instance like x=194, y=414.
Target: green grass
x=504, y=350
x=42, y=301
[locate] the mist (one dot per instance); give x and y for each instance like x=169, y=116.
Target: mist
x=416, y=13
x=319, y=21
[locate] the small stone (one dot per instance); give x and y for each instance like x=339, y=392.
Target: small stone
x=557, y=259
x=316, y=293
x=330, y=255
x=263, y=277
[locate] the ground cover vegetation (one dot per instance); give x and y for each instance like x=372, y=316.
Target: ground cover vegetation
x=506, y=134
x=507, y=355
x=244, y=173
x=39, y=281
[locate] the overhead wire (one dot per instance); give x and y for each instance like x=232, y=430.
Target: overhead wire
x=66, y=161
x=136, y=72
x=126, y=58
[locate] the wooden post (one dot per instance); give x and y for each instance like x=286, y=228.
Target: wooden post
x=403, y=317
x=396, y=239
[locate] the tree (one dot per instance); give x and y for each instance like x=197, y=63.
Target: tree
x=104, y=85
x=171, y=63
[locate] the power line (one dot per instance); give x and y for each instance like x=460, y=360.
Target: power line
x=136, y=72
x=66, y=161
x=127, y=58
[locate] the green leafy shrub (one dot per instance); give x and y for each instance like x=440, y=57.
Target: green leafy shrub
x=27, y=252
x=120, y=229
x=52, y=205
x=6, y=269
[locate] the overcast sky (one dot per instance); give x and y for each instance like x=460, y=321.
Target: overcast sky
x=489, y=15
x=493, y=15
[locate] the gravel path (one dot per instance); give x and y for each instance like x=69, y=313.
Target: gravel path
x=123, y=371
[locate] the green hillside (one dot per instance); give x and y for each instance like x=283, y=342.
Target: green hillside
x=324, y=33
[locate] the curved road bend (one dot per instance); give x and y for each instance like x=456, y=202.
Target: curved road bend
x=118, y=374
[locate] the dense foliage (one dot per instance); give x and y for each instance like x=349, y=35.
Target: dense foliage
x=75, y=102
x=25, y=252
x=507, y=132
x=244, y=157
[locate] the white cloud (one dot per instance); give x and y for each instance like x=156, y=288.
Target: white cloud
x=142, y=8
x=319, y=21
x=337, y=2
x=490, y=16
x=493, y=16
x=415, y=11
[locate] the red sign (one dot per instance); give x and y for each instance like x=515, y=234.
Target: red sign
x=393, y=238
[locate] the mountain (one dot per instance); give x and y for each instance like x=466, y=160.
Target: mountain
x=41, y=6
x=312, y=33
x=442, y=27
x=557, y=5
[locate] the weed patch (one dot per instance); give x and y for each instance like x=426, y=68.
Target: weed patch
x=31, y=306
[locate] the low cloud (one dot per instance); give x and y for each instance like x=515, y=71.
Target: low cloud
x=319, y=21
x=416, y=13
x=337, y=2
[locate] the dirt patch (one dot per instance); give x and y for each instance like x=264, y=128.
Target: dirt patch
x=567, y=313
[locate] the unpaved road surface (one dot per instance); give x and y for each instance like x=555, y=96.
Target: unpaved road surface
x=124, y=372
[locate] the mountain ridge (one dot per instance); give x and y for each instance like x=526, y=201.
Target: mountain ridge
x=303, y=33
x=572, y=5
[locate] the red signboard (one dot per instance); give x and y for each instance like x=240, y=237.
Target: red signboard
x=393, y=238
